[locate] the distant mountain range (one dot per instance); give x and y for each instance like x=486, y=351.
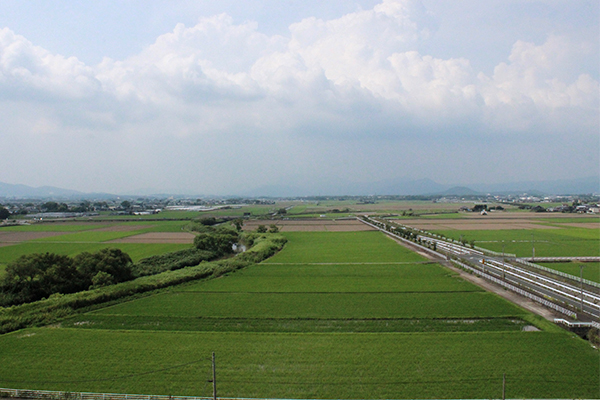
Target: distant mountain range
x=408, y=187
x=401, y=187
x=23, y=191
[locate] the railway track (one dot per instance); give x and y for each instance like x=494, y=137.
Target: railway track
x=583, y=300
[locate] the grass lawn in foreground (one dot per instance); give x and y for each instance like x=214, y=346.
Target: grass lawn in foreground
x=251, y=365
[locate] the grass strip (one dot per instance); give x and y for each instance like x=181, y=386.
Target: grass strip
x=292, y=325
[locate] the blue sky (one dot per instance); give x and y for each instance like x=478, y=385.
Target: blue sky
x=223, y=97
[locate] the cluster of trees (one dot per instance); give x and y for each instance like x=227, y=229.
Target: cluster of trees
x=220, y=241
x=4, y=213
x=263, y=229
x=36, y=276
x=58, y=307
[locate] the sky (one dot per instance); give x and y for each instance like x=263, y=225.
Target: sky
x=227, y=97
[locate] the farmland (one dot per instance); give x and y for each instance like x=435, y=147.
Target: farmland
x=560, y=242
x=75, y=237
x=591, y=270
x=333, y=315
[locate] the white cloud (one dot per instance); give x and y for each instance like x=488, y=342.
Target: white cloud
x=357, y=77
x=28, y=71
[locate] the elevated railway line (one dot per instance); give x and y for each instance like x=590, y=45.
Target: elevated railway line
x=584, y=300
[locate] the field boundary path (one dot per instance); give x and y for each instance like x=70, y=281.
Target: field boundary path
x=49, y=394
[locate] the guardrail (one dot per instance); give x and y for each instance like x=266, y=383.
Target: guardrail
x=555, y=272
x=570, y=324
x=520, y=291
x=561, y=259
x=52, y=395
x=495, y=253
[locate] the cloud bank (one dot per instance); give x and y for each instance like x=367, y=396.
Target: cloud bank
x=220, y=107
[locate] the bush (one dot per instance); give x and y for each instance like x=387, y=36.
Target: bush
x=208, y=221
x=39, y=275
x=221, y=241
x=171, y=261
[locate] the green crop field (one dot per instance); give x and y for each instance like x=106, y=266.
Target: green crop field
x=88, y=236
x=253, y=365
x=53, y=227
x=342, y=247
x=325, y=278
x=333, y=315
x=591, y=270
x=319, y=305
x=565, y=241
x=77, y=237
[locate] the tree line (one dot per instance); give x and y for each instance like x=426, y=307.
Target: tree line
x=36, y=276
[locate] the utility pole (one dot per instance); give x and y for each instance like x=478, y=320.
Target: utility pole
x=503, y=261
x=214, y=377
x=532, y=248
x=503, y=386
x=581, y=283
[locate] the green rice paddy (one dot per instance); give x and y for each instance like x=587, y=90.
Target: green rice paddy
x=333, y=315
x=562, y=241
x=258, y=365
x=591, y=270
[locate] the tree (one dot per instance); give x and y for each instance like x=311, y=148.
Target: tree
x=126, y=205
x=239, y=223
x=273, y=228
x=4, y=213
x=50, y=206
x=261, y=229
x=35, y=276
x=218, y=242
x=208, y=221
x=113, y=262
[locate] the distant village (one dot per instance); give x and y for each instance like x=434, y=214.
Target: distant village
x=17, y=208
x=43, y=208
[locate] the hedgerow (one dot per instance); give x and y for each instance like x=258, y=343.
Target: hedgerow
x=58, y=306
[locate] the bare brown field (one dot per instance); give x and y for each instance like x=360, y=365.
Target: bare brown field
x=528, y=215
x=310, y=225
x=158, y=237
x=471, y=224
x=15, y=237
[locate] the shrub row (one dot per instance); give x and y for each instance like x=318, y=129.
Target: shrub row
x=171, y=261
x=59, y=306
